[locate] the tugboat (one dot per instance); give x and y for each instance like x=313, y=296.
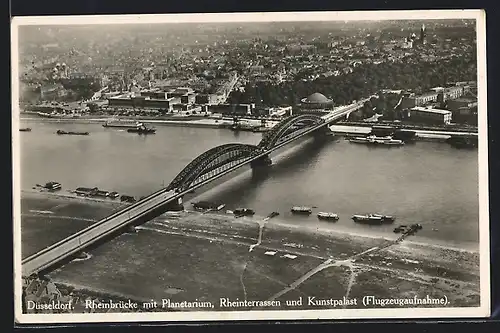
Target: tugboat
x=373, y=218
x=142, y=130
x=60, y=132
x=328, y=216
x=301, y=210
x=243, y=212
x=27, y=129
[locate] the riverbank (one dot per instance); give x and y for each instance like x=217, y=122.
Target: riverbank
x=422, y=135
x=208, y=123
x=191, y=256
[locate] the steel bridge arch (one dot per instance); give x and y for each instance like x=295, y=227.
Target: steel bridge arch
x=211, y=160
x=283, y=128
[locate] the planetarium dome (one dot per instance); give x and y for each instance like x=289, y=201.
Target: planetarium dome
x=316, y=98
x=316, y=101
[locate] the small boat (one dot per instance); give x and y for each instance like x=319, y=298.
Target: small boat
x=60, y=132
x=408, y=230
x=101, y=193
x=127, y=198
x=301, y=210
x=273, y=214
x=327, y=216
x=373, y=219
x=400, y=229
x=206, y=205
x=27, y=129
x=142, y=130
x=243, y=212
x=52, y=186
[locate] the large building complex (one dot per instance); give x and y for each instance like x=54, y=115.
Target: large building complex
x=430, y=115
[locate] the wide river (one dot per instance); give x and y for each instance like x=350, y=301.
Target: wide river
x=426, y=182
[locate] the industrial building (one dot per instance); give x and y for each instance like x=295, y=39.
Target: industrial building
x=430, y=115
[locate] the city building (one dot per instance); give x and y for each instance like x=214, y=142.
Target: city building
x=232, y=109
x=316, y=102
x=281, y=111
x=52, y=91
x=206, y=99
x=430, y=115
x=412, y=100
x=142, y=102
x=451, y=93
x=463, y=106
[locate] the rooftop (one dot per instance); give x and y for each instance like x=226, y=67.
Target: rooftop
x=316, y=98
x=432, y=110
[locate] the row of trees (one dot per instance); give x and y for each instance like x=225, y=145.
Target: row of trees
x=365, y=80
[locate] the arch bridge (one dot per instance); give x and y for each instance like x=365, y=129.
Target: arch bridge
x=222, y=158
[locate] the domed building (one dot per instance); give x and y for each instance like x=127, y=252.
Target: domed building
x=316, y=102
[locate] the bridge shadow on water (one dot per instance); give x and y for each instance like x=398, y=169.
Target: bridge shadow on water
x=243, y=187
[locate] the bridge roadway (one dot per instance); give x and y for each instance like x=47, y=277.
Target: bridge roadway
x=64, y=249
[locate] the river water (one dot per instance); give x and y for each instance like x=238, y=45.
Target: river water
x=426, y=182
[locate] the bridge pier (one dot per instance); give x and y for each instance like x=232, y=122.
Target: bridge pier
x=175, y=206
x=263, y=161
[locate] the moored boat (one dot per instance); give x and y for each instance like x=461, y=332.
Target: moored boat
x=373, y=218
x=301, y=210
x=206, y=205
x=408, y=230
x=53, y=186
x=142, y=130
x=60, y=132
x=122, y=124
x=243, y=212
x=27, y=129
x=377, y=140
x=273, y=214
x=327, y=216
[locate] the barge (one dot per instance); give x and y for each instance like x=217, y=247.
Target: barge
x=301, y=210
x=375, y=140
x=60, y=132
x=328, y=216
x=373, y=219
x=142, y=130
x=122, y=124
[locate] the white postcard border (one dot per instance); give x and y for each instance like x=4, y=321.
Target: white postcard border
x=393, y=313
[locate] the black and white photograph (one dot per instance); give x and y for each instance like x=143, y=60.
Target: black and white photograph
x=250, y=166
